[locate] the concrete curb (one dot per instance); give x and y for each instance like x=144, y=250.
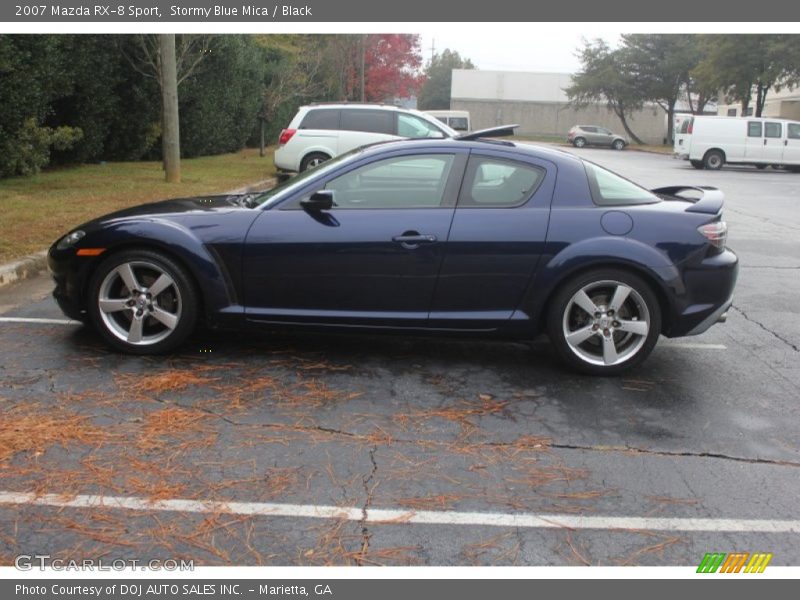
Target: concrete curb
x=24, y=268
x=30, y=266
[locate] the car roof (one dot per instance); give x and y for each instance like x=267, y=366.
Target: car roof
x=525, y=149
x=373, y=105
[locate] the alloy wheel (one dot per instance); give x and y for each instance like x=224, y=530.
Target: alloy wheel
x=606, y=323
x=139, y=303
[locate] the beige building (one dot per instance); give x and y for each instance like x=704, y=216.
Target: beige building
x=538, y=102
x=784, y=104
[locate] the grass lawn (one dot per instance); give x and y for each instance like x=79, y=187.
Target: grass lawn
x=36, y=210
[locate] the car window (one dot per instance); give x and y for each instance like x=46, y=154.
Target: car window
x=399, y=182
x=589, y=129
x=411, y=126
x=497, y=183
x=773, y=130
x=321, y=118
x=459, y=123
x=686, y=125
x=370, y=121
x=609, y=189
x=793, y=131
x=754, y=129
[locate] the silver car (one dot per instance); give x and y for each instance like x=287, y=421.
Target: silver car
x=593, y=135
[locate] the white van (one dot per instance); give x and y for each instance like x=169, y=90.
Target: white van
x=710, y=142
x=454, y=119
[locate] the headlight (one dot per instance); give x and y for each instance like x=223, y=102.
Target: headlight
x=70, y=240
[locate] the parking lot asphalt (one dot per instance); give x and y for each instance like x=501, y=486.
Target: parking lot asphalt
x=481, y=452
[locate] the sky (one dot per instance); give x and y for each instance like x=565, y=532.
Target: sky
x=541, y=50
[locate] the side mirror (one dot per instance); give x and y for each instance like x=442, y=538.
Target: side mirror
x=318, y=201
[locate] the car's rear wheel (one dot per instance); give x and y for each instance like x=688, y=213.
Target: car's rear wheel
x=761, y=167
x=312, y=160
x=579, y=142
x=142, y=302
x=604, y=322
x=697, y=164
x=618, y=145
x=713, y=160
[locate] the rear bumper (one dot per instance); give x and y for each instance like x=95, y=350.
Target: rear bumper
x=680, y=155
x=707, y=294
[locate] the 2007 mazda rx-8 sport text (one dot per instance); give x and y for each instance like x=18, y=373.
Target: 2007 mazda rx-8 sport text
x=449, y=236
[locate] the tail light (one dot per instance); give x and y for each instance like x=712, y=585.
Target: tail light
x=716, y=233
x=690, y=127
x=286, y=135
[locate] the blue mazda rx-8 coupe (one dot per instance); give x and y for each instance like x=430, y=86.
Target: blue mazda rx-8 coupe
x=459, y=236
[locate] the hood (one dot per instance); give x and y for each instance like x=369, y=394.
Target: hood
x=178, y=207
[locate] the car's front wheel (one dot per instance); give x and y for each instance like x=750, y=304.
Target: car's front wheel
x=604, y=321
x=142, y=302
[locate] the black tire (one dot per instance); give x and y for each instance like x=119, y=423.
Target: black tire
x=713, y=160
x=579, y=142
x=761, y=167
x=565, y=316
x=697, y=164
x=176, y=304
x=312, y=160
x=793, y=169
x=618, y=145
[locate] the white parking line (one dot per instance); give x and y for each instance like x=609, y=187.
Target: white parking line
x=694, y=345
x=36, y=320
x=395, y=516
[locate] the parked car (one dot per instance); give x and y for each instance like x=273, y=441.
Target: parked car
x=319, y=132
x=710, y=142
x=459, y=236
x=455, y=119
x=592, y=135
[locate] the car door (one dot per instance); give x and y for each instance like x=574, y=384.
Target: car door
x=604, y=136
x=590, y=133
x=773, y=142
x=497, y=236
x=755, y=143
x=791, y=148
x=372, y=260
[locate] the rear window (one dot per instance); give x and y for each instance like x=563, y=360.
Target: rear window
x=459, y=123
x=321, y=118
x=610, y=189
x=496, y=183
x=370, y=121
x=685, y=125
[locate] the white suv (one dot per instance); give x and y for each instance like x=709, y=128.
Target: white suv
x=319, y=132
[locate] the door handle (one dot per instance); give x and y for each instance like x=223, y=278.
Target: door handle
x=412, y=239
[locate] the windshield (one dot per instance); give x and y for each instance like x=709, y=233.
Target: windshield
x=277, y=193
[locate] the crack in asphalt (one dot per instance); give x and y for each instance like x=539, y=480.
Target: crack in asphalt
x=765, y=328
x=365, y=533
x=689, y=453
x=545, y=444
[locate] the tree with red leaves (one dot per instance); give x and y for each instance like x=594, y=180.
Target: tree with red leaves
x=391, y=66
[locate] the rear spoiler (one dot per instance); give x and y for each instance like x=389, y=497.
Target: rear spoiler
x=500, y=131
x=710, y=202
